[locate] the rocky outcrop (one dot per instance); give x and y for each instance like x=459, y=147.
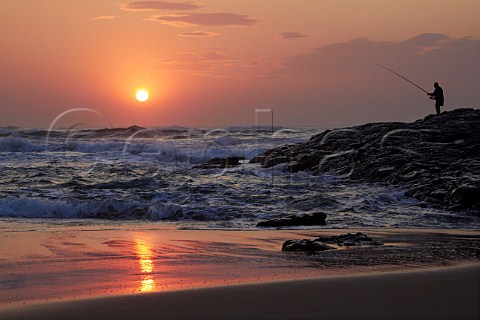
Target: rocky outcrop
x=436, y=159
x=314, y=219
x=324, y=243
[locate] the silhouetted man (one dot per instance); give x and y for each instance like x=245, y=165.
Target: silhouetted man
x=437, y=95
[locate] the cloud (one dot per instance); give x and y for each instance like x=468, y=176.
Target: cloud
x=195, y=63
x=427, y=53
x=217, y=48
x=221, y=19
x=159, y=5
x=105, y=18
x=292, y=35
x=198, y=34
x=216, y=56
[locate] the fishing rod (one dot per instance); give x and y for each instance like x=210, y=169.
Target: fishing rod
x=402, y=77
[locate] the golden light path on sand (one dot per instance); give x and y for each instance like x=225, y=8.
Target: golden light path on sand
x=144, y=255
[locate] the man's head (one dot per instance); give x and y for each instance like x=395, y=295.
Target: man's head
x=436, y=85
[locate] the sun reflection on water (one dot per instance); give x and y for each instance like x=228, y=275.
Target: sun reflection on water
x=144, y=255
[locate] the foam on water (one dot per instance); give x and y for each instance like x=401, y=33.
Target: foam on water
x=149, y=174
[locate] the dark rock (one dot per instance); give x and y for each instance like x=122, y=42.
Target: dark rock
x=350, y=239
x=436, y=159
x=313, y=219
x=466, y=195
x=305, y=245
x=220, y=163
x=322, y=243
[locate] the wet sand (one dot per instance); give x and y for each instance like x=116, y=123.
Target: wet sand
x=144, y=270
x=443, y=293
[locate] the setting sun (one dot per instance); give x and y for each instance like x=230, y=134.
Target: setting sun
x=142, y=95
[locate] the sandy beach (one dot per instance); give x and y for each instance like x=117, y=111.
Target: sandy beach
x=442, y=293
x=149, y=271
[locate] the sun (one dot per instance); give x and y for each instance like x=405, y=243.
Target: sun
x=142, y=95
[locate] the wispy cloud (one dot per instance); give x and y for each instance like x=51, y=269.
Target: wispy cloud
x=292, y=35
x=221, y=19
x=105, y=18
x=217, y=56
x=195, y=63
x=159, y=5
x=198, y=34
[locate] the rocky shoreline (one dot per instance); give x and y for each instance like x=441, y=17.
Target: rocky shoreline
x=435, y=159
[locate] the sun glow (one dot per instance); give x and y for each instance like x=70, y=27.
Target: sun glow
x=142, y=95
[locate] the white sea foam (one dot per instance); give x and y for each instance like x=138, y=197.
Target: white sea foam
x=62, y=209
x=149, y=173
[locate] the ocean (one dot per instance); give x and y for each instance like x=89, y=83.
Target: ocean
x=125, y=175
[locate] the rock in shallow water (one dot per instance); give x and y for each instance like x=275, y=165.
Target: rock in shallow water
x=305, y=245
x=350, y=239
x=322, y=243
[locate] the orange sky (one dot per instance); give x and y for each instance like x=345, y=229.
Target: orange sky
x=213, y=62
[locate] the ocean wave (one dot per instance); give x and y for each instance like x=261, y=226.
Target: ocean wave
x=173, y=130
x=69, y=209
x=156, y=210
x=17, y=144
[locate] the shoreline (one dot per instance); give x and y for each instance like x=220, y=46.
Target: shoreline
x=432, y=293
x=67, y=266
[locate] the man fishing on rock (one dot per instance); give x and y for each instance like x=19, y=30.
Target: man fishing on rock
x=437, y=95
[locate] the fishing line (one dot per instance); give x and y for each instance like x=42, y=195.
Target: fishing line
x=411, y=82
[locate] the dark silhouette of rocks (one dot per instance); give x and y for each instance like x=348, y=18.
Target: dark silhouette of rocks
x=313, y=219
x=305, y=245
x=436, y=159
x=323, y=243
